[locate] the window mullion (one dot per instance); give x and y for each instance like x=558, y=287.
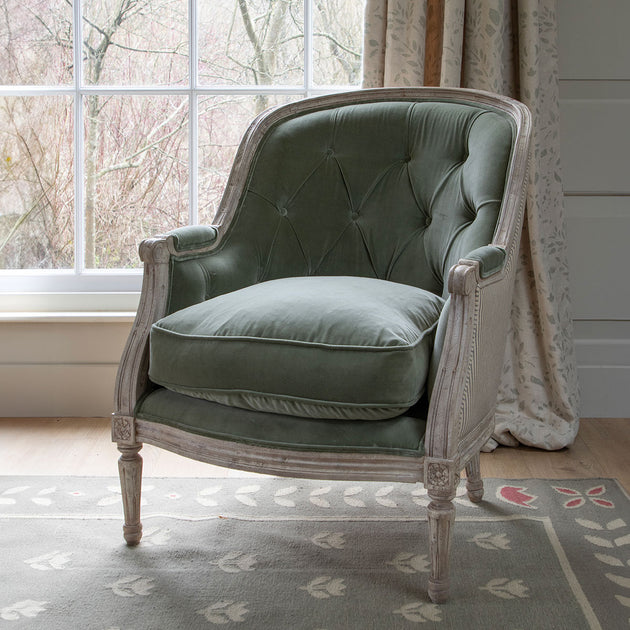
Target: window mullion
x=193, y=138
x=308, y=46
x=79, y=220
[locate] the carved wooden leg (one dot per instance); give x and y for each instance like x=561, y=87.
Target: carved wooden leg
x=130, y=470
x=441, y=520
x=474, y=482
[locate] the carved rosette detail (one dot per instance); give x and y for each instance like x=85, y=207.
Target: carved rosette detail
x=440, y=479
x=438, y=475
x=121, y=429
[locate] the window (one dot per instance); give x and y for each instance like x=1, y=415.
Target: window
x=132, y=132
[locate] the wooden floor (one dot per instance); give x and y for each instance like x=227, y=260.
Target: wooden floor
x=82, y=447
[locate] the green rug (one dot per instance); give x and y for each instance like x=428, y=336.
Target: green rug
x=270, y=553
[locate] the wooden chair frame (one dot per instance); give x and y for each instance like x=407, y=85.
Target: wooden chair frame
x=461, y=408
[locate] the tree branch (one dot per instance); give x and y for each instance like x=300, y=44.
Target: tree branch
x=128, y=161
x=249, y=28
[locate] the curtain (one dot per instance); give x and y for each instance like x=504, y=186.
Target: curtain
x=507, y=47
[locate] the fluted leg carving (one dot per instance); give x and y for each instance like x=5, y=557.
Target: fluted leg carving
x=441, y=520
x=474, y=482
x=130, y=471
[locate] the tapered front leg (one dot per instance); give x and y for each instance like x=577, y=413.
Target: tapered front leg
x=474, y=482
x=441, y=484
x=441, y=520
x=130, y=471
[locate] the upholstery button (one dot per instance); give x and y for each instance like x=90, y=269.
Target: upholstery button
x=355, y=216
x=427, y=221
x=330, y=152
x=282, y=211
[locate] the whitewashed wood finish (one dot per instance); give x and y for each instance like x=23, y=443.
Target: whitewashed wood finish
x=130, y=471
x=458, y=423
x=441, y=513
x=474, y=482
x=282, y=462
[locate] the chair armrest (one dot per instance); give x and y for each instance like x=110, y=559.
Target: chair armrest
x=490, y=258
x=158, y=255
x=489, y=261
x=472, y=337
x=181, y=268
x=192, y=239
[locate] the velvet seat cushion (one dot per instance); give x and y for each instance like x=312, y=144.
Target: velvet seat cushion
x=326, y=347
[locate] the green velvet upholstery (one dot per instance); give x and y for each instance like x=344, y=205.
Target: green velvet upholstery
x=193, y=237
x=322, y=297
x=320, y=346
x=398, y=191
x=403, y=435
x=490, y=259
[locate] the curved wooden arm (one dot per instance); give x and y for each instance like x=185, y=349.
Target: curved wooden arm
x=132, y=380
x=461, y=410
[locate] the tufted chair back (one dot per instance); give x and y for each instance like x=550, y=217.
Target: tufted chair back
x=398, y=191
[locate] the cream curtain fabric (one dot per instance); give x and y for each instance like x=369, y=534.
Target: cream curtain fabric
x=508, y=47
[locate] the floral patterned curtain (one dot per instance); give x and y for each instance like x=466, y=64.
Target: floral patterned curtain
x=507, y=47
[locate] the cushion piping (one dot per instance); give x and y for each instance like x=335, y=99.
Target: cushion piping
x=298, y=342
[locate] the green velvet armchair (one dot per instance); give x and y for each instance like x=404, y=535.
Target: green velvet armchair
x=346, y=317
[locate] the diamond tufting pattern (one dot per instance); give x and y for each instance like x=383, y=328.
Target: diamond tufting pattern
x=396, y=191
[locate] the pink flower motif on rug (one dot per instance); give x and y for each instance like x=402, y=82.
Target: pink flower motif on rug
x=578, y=499
x=516, y=495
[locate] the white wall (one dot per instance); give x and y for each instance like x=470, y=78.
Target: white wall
x=65, y=366
x=595, y=141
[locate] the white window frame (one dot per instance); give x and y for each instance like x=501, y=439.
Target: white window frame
x=80, y=289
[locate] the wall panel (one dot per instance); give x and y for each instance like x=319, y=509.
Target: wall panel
x=52, y=369
x=595, y=135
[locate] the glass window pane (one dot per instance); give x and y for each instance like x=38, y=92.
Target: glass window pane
x=36, y=182
x=251, y=42
x=136, y=174
x=337, y=41
x=36, y=42
x=135, y=42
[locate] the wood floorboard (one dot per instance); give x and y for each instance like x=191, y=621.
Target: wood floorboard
x=82, y=447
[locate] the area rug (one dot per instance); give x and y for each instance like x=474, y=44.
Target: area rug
x=269, y=553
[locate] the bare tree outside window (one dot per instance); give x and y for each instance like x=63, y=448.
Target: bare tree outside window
x=137, y=94
x=36, y=42
x=36, y=156
x=36, y=182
